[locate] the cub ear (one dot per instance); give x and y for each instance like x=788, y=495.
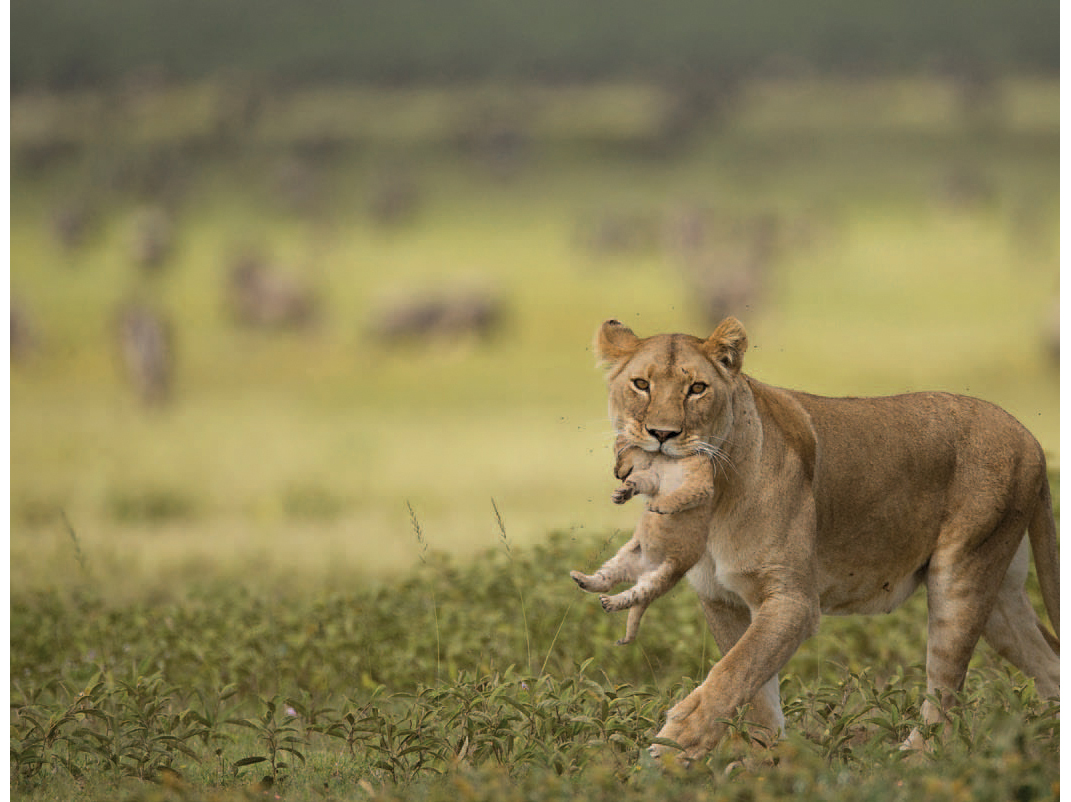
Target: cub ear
x=727, y=344
x=614, y=342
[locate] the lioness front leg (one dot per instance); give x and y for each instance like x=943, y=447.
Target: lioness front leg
x=728, y=622
x=777, y=629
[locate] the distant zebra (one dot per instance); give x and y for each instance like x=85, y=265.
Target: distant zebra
x=146, y=350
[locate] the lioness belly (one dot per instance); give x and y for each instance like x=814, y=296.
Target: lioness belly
x=869, y=595
x=865, y=594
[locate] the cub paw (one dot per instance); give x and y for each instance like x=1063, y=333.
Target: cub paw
x=665, y=509
x=612, y=604
x=583, y=580
x=596, y=583
x=623, y=493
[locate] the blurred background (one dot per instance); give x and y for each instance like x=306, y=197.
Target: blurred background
x=299, y=288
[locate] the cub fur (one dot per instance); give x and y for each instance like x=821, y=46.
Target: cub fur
x=839, y=506
x=669, y=538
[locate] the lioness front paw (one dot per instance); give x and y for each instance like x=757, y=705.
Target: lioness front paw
x=626, y=491
x=693, y=726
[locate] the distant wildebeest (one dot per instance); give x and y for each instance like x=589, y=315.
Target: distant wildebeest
x=298, y=187
x=259, y=294
x=732, y=275
x=442, y=316
x=72, y=221
x=394, y=197
x=151, y=238
x=618, y=232
x=145, y=345
x=24, y=336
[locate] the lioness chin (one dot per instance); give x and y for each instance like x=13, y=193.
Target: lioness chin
x=838, y=506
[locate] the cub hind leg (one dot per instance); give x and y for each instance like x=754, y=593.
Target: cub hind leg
x=625, y=566
x=638, y=598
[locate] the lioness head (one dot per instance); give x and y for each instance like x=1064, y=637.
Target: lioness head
x=671, y=392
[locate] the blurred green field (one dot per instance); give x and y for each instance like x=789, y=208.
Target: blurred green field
x=921, y=253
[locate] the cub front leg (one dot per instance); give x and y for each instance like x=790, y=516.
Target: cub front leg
x=686, y=498
x=697, y=488
x=629, y=458
x=643, y=482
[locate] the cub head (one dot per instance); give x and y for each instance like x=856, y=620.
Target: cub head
x=671, y=392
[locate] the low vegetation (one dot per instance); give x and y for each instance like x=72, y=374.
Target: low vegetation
x=490, y=679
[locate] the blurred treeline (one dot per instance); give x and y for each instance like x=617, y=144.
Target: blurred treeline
x=65, y=44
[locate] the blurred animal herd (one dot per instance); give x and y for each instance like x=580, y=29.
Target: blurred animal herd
x=133, y=159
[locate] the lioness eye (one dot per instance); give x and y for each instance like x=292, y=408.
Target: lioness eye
x=697, y=389
x=641, y=384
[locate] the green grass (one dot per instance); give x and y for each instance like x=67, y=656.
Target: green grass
x=441, y=681
x=250, y=548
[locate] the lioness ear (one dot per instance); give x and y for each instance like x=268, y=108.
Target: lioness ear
x=727, y=344
x=614, y=341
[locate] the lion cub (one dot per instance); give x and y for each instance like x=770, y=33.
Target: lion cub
x=669, y=539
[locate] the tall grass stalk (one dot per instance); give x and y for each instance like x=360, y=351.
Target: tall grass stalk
x=516, y=584
x=423, y=544
x=78, y=554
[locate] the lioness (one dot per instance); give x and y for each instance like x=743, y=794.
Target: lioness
x=839, y=505
x=670, y=537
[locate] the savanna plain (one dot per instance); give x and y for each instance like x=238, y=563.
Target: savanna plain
x=331, y=560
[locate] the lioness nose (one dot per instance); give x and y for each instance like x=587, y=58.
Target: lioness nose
x=662, y=435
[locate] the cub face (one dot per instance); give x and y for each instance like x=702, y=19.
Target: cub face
x=671, y=393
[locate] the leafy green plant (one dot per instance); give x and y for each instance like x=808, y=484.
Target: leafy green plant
x=277, y=738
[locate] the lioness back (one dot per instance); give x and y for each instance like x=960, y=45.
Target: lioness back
x=886, y=469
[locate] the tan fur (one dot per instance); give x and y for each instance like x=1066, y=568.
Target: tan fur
x=838, y=506
x=669, y=539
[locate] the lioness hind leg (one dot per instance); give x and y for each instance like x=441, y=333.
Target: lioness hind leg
x=1013, y=629
x=962, y=584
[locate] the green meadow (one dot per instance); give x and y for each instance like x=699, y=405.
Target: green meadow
x=336, y=568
